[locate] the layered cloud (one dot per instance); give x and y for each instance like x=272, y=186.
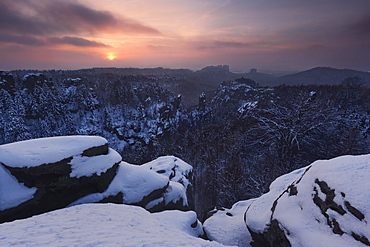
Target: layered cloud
x=37, y=23
x=76, y=41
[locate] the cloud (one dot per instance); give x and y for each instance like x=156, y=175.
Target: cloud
x=79, y=18
x=22, y=40
x=76, y=41
x=52, y=18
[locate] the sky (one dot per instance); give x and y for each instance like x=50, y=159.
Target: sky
x=245, y=34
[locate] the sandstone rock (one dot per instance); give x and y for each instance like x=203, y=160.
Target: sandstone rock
x=324, y=204
x=158, y=185
x=51, y=173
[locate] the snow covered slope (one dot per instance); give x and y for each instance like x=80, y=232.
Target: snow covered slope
x=104, y=225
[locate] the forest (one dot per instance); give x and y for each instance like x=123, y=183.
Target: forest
x=238, y=138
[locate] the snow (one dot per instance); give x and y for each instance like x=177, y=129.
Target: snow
x=36, y=152
x=182, y=220
x=25, y=77
x=103, y=225
x=228, y=226
x=174, y=193
x=347, y=177
x=135, y=182
x=172, y=167
x=12, y=193
x=138, y=181
x=87, y=166
x=259, y=214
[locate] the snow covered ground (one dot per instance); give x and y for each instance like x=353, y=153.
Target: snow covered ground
x=104, y=225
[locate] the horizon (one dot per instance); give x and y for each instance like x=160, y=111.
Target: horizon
x=267, y=35
x=277, y=72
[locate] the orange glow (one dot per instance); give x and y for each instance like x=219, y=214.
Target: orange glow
x=111, y=57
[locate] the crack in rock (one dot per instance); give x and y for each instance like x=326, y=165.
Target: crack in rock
x=330, y=204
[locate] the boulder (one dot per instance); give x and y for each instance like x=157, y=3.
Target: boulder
x=41, y=175
x=159, y=185
x=324, y=204
x=178, y=194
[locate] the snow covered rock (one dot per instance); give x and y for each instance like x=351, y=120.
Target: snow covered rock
x=44, y=174
x=156, y=186
x=227, y=226
x=105, y=225
x=179, y=173
x=31, y=80
x=7, y=81
x=324, y=204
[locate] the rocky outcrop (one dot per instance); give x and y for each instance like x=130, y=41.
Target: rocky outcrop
x=31, y=80
x=7, y=81
x=158, y=185
x=50, y=173
x=324, y=204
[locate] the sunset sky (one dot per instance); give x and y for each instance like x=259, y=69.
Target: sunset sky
x=266, y=34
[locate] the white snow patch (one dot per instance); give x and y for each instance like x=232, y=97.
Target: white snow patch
x=87, y=166
x=12, y=193
x=259, y=214
x=135, y=182
x=174, y=193
x=36, y=152
x=172, y=167
x=182, y=220
x=228, y=226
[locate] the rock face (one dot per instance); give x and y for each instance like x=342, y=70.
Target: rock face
x=41, y=175
x=159, y=185
x=324, y=204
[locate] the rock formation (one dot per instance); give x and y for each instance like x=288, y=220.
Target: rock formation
x=324, y=204
x=45, y=174
x=158, y=185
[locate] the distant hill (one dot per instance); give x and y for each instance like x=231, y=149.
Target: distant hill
x=320, y=76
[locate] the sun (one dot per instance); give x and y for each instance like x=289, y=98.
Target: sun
x=111, y=57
